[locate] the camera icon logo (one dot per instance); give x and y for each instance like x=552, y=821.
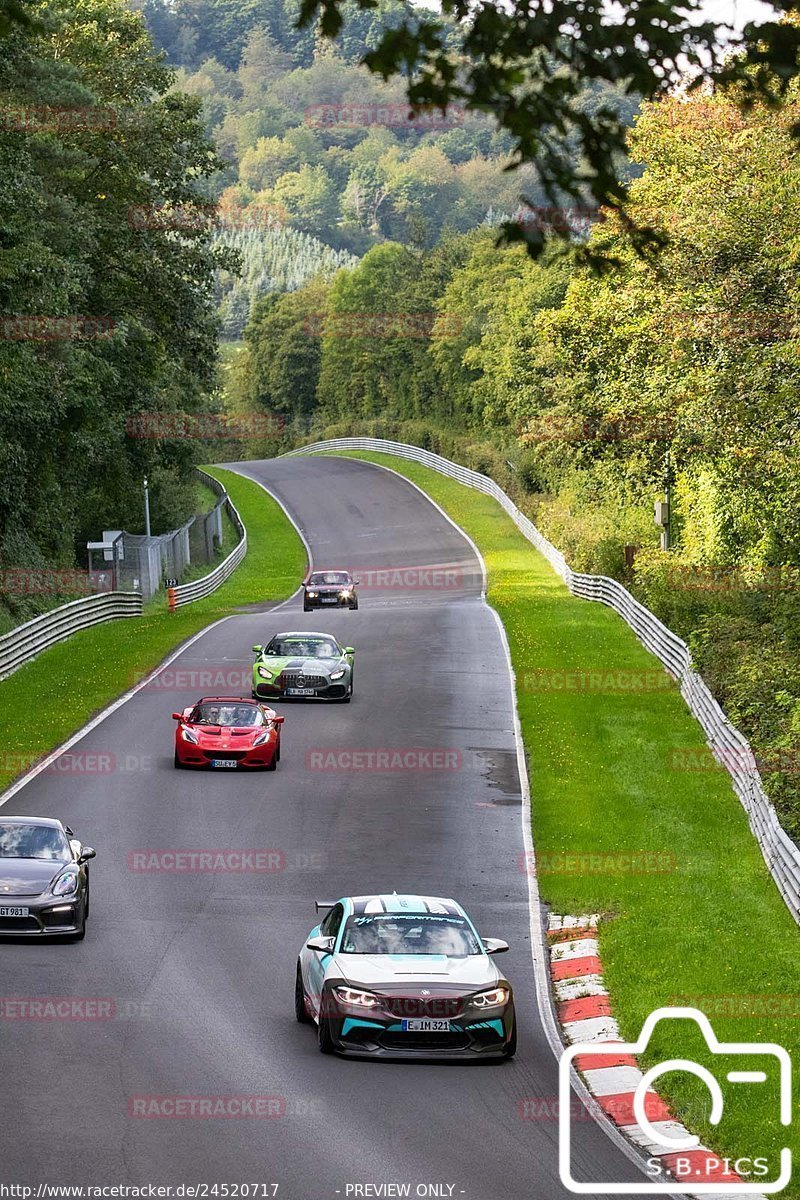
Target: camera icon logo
x=668, y=1143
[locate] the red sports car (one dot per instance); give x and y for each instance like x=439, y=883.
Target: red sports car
x=228, y=732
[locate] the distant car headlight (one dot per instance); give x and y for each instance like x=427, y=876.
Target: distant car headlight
x=346, y=593
x=312, y=595
x=188, y=736
x=337, y=674
x=354, y=996
x=493, y=999
x=262, y=737
x=263, y=673
x=66, y=884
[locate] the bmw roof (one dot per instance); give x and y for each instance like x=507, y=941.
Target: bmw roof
x=394, y=903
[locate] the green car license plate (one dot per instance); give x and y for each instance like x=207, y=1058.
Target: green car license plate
x=299, y=691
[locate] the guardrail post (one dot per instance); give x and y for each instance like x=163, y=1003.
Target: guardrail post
x=172, y=599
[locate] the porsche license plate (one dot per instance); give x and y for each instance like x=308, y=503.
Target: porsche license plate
x=15, y=911
x=299, y=691
x=224, y=762
x=426, y=1025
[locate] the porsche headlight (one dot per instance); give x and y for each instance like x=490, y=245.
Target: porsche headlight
x=492, y=999
x=263, y=673
x=66, y=884
x=337, y=674
x=355, y=996
x=188, y=736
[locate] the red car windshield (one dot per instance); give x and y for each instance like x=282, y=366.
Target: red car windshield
x=228, y=714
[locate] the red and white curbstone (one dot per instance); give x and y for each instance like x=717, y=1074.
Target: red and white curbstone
x=583, y=1006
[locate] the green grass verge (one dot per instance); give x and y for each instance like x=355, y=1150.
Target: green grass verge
x=47, y=700
x=701, y=922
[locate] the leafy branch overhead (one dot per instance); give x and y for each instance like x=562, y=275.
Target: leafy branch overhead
x=529, y=63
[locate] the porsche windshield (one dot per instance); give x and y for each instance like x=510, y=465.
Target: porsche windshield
x=32, y=841
x=303, y=648
x=220, y=713
x=329, y=579
x=409, y=933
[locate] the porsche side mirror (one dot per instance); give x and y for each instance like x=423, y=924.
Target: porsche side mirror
x=495, y=945
x=322, y=945
x=258, y=649
x=86, y=853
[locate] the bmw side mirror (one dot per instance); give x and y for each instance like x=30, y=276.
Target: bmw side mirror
x=86, y=853
x=258, y=649
x=495, y=945
x=356, y=581
x=322, y=945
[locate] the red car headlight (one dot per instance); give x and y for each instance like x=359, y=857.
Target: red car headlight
x=262, y=737
x=188, y=736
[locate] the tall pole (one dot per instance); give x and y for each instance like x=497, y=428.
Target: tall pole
x=666, y=539
x=146, y=508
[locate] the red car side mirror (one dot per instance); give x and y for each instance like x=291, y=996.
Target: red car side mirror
x=278, y=720
x=177, y=716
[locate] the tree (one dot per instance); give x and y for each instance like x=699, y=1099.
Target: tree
x=529, y=65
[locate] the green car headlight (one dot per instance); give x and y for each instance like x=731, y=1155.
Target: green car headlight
x=263, y=673
x=337, y=674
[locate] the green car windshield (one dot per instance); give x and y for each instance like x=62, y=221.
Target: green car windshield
x=304, y=648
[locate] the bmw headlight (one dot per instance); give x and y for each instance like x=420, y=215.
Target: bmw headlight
x=66, y=884
x=263, y=673
x=346, y=593
x=355, y=996
x=312, y=595
x=337, y=674
x=188, y=736
x=495, y=998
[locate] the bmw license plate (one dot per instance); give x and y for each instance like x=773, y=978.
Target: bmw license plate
x=329, y=599
x=425, y=1025
x=224, y=762
x=6, y=911
x=299, y=691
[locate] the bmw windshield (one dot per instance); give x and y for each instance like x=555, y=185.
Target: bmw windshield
x=410, y=933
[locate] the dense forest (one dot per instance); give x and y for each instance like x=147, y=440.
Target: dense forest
x=581, y=392
x=102, y=319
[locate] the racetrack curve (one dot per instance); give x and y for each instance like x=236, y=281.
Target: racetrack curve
x=200, y=966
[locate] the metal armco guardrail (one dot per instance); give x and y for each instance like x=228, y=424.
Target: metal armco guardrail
x=187, y=593
x=22, y=644
x=729, y=746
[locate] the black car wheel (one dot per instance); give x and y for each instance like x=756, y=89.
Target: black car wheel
x=178, y=763
x=300, y=1010
x=278, y=751
x=324, y=1039
x=511, y=1048
x=306, y=607
x=272, y=765
x=81, y=934
x=354, y=605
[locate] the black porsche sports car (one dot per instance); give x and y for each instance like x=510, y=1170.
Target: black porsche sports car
x=44, y=879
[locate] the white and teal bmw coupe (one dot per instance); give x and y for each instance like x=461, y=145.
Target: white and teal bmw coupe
x=404, y=977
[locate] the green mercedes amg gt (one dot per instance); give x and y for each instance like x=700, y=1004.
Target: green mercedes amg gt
x=310, y=665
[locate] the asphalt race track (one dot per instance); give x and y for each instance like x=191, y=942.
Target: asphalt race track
x=197, y=968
